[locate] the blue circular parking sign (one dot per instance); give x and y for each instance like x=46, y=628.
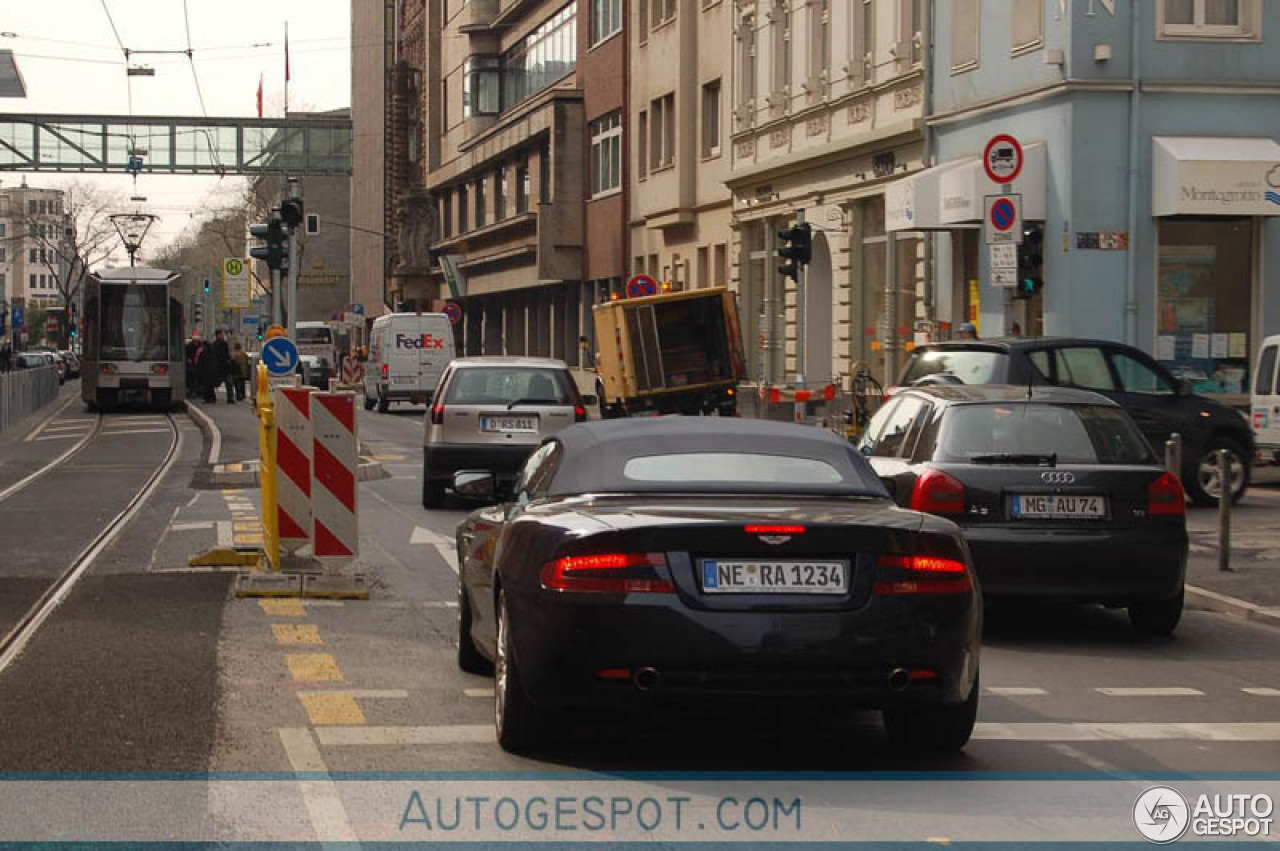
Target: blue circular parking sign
x=1003, y=214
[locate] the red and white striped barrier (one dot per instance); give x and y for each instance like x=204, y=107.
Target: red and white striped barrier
x=336, y=465
x=293, y=463
x=352, y=372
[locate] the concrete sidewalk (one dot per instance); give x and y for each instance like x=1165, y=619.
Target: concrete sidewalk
x=1252, y=587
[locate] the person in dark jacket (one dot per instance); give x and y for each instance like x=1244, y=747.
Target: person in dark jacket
x=207, y=370
x=193, y=380
x=226, y=368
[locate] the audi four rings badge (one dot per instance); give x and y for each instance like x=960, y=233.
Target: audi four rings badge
x=1057, y=478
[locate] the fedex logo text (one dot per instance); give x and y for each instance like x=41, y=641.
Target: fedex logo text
x=426, y=341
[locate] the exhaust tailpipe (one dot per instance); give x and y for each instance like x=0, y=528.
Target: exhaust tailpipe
x=899, y=679
x=645, y=679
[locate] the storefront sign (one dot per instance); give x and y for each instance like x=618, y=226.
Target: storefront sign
x=1215, y=176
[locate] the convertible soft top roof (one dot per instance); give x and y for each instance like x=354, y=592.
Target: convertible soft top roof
x=597, y=452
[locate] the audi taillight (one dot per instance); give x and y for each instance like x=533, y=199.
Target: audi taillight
x=609, y=573
x=437, y=413
x=386, y=372
x=937, y=492
x=1165, y=497
x=922, y=574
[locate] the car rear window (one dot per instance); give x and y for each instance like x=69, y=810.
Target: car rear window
x=1076, y=434
x=970, y=366
x=507, y=384
x=737, y=467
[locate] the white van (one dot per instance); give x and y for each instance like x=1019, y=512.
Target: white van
x=1266, y=400
x=407, y=354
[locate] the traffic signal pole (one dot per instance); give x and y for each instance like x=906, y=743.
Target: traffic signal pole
x=294, y=198
x=800, y=317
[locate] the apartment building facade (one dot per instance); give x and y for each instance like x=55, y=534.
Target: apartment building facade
x=1151, y=175
x=827, y=107
x=680, y=208
x=34, y=248
x=374, y=33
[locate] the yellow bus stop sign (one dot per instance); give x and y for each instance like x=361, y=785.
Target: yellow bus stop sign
x=274, y=331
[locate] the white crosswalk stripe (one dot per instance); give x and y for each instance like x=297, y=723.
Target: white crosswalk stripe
x=1150, y=692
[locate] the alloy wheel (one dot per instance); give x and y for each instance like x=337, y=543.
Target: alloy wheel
x=1211, y=476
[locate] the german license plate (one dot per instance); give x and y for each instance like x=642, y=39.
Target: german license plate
x=1048, y=506
x=509, y=425
x=741, y=576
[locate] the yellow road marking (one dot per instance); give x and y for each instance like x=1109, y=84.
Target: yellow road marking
x=329, y=709
x=313, y=668
x=247, y=527
x=283, y=608
x=296, y=633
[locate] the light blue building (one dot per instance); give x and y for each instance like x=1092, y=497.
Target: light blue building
x=1150, y=163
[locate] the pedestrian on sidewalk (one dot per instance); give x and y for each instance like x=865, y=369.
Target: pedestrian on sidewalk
x=193, y=378
x=222, y=355
x=207, y=370
x=240, y=363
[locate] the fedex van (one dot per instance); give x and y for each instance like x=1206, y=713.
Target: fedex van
x=407, y=354
x=1266, y=400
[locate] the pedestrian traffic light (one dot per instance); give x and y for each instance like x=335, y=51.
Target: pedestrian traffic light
x=272, y=233
x=206, y=286
x=796, y=250
x=1030, y=262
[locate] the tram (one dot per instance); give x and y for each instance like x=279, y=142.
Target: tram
x=133, y=346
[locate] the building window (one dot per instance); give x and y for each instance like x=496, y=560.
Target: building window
x=910, y=47
x=606, y=153
x=522, y=185
x=964, y=34
x=31, y=207
x=1204, y=301
x=480, y=210
x=544, y=175
x=480, y=86
x=663, y=11
x=1197, y=19
x=32, y=255
x=3, y=230
x=746, y=60
x=446, y=214
x=464, y=224
x=653, y=266
x=541, y=58
x=606, y=19
x=721, y=278
x=704, y=268
x=819, y=42
x=4, y=253
x=1026, y=26
x=33, y=282
x=662, y=132
x=711, y=119
x=781, y=22
x=642, y=25
x=500, y=194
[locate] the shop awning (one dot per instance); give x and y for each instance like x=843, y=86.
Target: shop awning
x=951, y=195
x=1215, y=176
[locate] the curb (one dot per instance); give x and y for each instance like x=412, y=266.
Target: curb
x=1212, y=601
x=210, y=430
x=221, y=476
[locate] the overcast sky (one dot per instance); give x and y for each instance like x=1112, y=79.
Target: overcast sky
x=72, y=63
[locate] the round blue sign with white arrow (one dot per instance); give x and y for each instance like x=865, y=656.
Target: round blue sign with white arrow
x=280, y=354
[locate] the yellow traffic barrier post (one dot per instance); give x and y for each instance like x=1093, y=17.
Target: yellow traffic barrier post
x=267, y=470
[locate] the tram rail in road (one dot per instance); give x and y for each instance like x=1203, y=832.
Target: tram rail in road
x=17, y=638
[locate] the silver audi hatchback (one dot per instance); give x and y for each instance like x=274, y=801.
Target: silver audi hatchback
x=490, y=413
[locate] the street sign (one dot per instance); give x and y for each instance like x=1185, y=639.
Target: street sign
x=1004, y=277
x=274, y=331
x=1002, y=158
x=1003, y=220
x=235, y=283
x=641, y=285
x=18, y=315
x=453, y=311
x=1003, y=255
x=280, y=355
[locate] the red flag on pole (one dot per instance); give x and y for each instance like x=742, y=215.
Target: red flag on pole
x=259, y=95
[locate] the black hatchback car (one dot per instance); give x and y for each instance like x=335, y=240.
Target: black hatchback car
x=1058, y=494
x=1159, y=403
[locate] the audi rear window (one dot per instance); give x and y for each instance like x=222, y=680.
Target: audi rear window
x=969, y=366
x=1074, y=434
x=507, y=384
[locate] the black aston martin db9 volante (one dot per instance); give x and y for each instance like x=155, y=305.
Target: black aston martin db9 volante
x=712, y=559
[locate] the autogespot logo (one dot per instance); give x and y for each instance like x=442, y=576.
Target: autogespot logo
x=1161, y=814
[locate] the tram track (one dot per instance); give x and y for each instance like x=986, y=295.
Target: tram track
x=60, y=587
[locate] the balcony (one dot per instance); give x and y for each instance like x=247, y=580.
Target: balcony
x=478, y=16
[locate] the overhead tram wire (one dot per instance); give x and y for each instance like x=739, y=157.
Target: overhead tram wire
x=195, y=76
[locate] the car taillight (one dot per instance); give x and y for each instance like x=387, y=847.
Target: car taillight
x=159, y=368
x=922, y=574
x=937, y=492
x=1165, y=497
x=385, y=371
x=609, y=573
x=108, y=369
x=579, y=413
x=437, y=413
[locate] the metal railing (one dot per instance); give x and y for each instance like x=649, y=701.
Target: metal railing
x=25, y=391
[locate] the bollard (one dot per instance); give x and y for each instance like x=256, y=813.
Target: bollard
x=1224, y=510
x=267, y=470
x=1173, y=454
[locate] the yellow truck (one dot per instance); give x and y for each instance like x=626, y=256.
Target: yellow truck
x=675, y=353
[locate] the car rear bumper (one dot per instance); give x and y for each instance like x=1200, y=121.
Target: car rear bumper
x=443, y=460
x=563, y=641
x=413, y=394
x=1103, y=565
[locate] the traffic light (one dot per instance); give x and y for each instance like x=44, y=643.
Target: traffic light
x=197, y=312
x=291, y=212
x=1030, y=262
x=797, y=249
x=272, y=233
x=206, y=286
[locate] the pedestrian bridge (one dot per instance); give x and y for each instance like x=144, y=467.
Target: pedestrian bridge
x=307, y=145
